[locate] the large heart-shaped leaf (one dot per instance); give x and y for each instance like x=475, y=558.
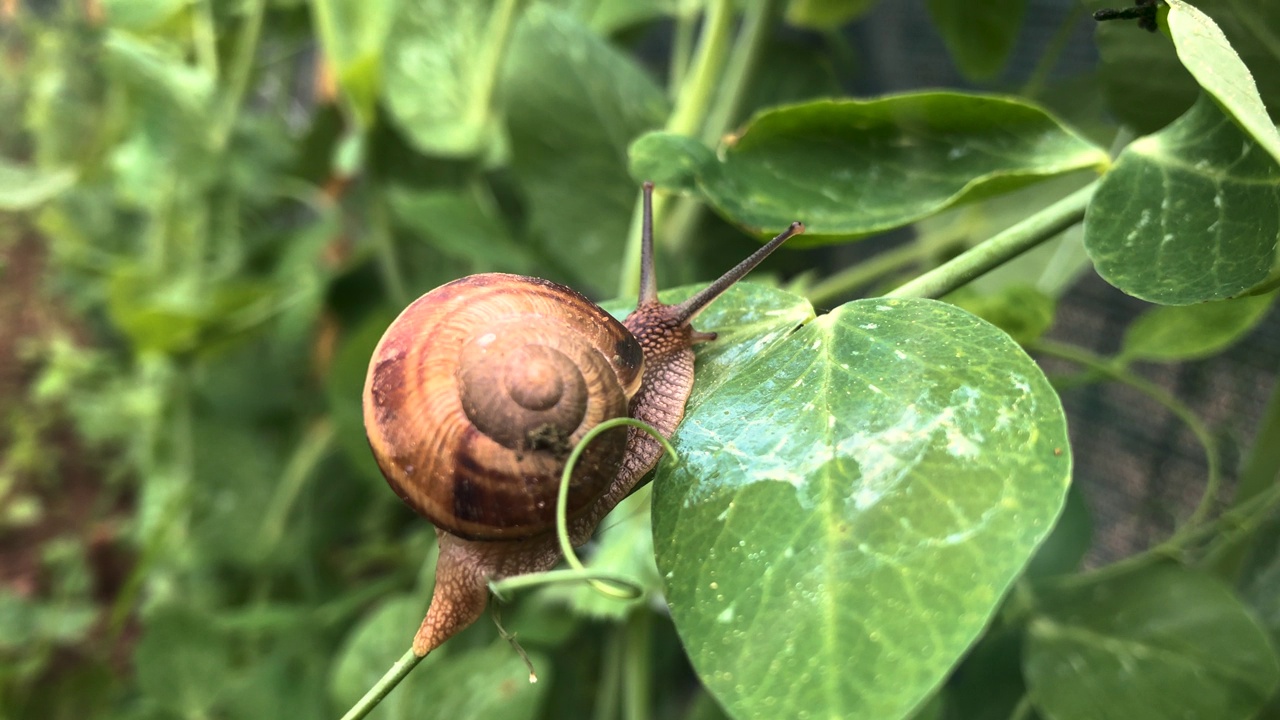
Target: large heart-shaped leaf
x=850, y=168
x=854, y=505
x=1160, y=643
x=1189, y=214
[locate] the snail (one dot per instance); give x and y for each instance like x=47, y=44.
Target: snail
x=479, y=390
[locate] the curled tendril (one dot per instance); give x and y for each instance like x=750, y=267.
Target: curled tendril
x=629, y=589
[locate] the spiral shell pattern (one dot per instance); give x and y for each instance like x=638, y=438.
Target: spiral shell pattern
x=479, y=390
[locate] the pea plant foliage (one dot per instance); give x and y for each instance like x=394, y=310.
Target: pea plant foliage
x=870, y=510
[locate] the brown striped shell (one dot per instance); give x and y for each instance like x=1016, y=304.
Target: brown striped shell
x=479, y=390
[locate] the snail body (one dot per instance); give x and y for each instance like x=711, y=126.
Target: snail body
x=480, y=389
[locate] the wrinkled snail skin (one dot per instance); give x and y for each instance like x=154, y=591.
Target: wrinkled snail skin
x=478, y=391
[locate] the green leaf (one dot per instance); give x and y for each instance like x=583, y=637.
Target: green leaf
x=1069, y=541
x=345, y=386
x=1189, y=214
x=168, y=146
x=854, y=505
x=140, y=15
x=1158, y=643
x=851, y=168
x=1020, y=310
x=825, y=14
x=183, y=664
x=1207, y=53
x=237, y=468
x=979, y=36
x=354, y=35
x=988, y=684
x=1162, y=90
x=175, y=315
x=606, y=17
x=373, y=645
x=464, y=224
x=480, y=684
x=24, y=188
x=668, y=160
x=442, y=68
x=1190, y=332
x=574, y=104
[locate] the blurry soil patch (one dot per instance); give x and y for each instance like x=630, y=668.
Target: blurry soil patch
x=65, y=491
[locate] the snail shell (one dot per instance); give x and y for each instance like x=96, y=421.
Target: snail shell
x=479, y=390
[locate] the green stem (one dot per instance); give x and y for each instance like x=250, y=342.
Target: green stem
x=1247, y=517
x=301, y=466
x=629, y=277
x=385, y=246
x=562, y=500
x=1053, y=51
x=1257, y=26
x=636, y=671
x=1262, y=466
x=385, y=685
x=487, y=68
x=205, y=37
x=503, y=588
x=1259, y=473
x=1023, y=709
x=735, y=78
x=238, y=74
x=699, y=88
x=1100, y=365
x=1003, y=247
x=681, y=51
x=1237, y=526
x=607, y=689
x=738, y=70
x=845, y=282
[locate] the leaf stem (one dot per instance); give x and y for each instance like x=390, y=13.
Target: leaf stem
x=1053, y=51
x=385, y=685
x=636, y=670
x=864, y=273
x=238, y=74
x=681, y=50
x=1001, y=248
x=708, y=63
x=1259, y=474
x=306, y=457
x=490, y=62
x=687, y=118
x=503, y=588
x=679, y=230
x=562, y=501
x=205, y=37
x=738, y=70
x=1196, y=526
x=1100, y=365
x=384, y=243
x=608, y=686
